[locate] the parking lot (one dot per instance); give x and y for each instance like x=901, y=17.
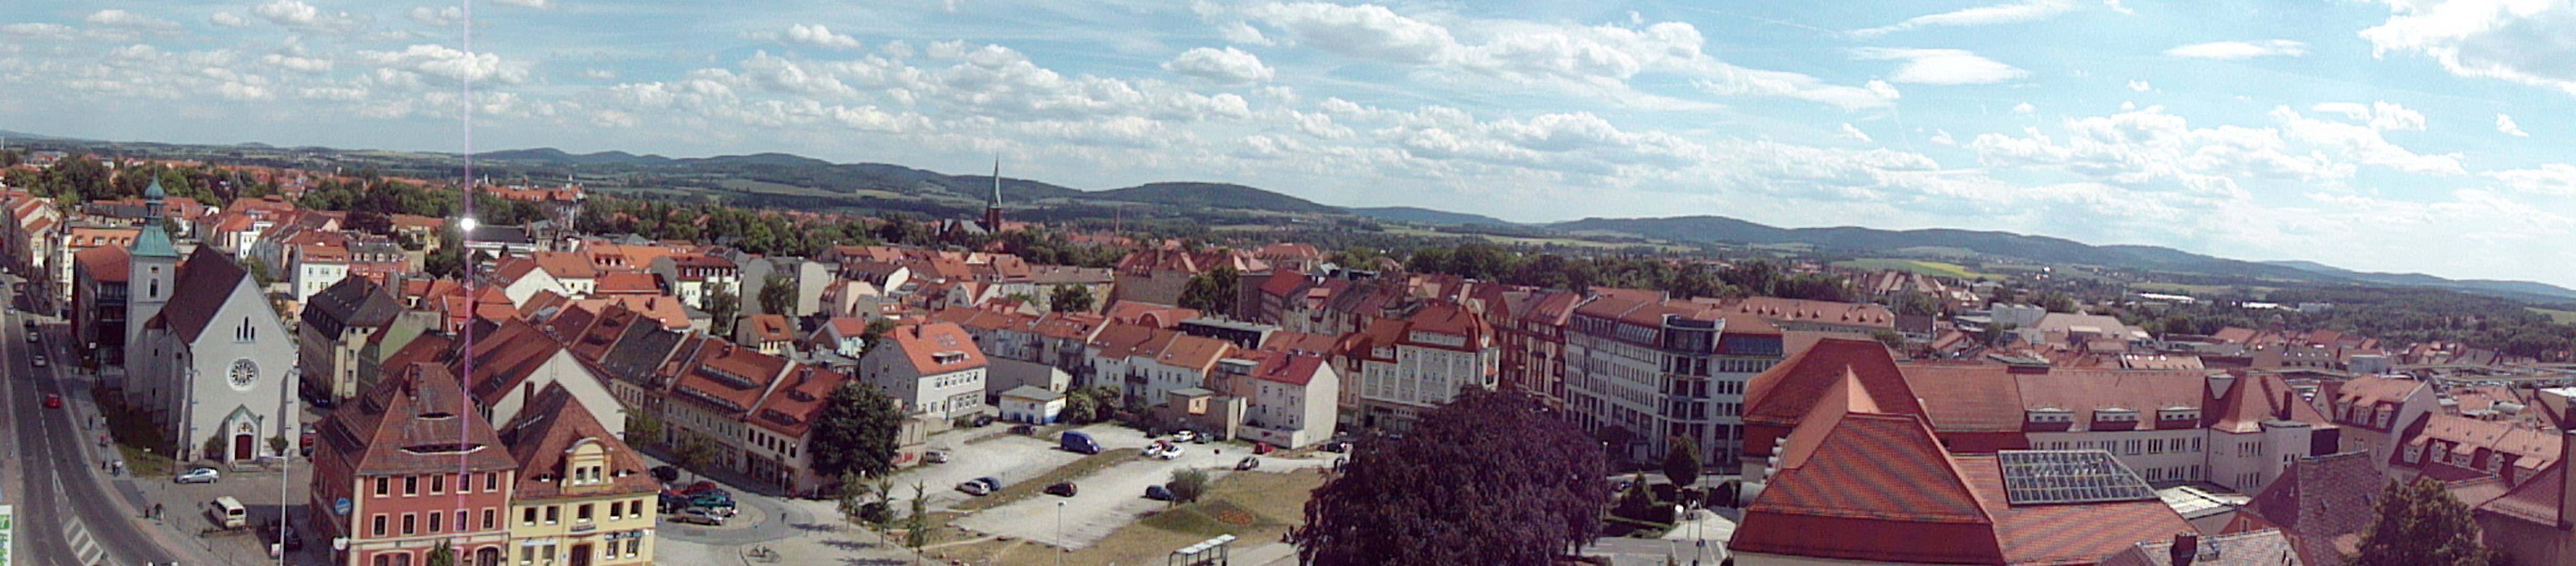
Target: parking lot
x=1112, y=498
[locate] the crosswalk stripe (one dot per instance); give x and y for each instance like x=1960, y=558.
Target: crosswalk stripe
x=84, y=547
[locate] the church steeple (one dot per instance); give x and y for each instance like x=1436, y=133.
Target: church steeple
x=153, y=241
x=993, y=211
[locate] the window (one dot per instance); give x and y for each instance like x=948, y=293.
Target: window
x=582, y=513
x=464, y=483
x=437, y=484
x=2195, y=445
x=633, y=546
x=2155, y=446
x=491, y=481
x=437, y=522
x=411, y=485
x=527, y=554
x=460, y=520
x=382, y=485
x=411, y=524
x=380, y=524
x=552, y=513
x=487, y=519
x=530, y=517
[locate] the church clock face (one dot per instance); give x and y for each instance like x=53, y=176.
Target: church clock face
x=244, y=374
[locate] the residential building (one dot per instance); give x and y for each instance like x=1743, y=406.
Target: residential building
x=1402, y=366
x=583, y=496
x=406, y=467
x=779, y=446
x=2454, y=448
x=1158, y=275
x=2535, y=522
x=2320, y=502
x=844, y=335
x=2373, y=409
x=338, y=324
x=1858, y=484
x=771, y=334
x=512, y=360
x=693, y=276
x=1533, y=342
x=1802, y=315
x=1293, y=401
x=1665, y=369
x=1175, y=362
x=933, y=369
x=98, y=303
x=2262, y=547
x=1031, y=404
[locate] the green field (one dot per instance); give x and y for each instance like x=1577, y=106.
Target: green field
x=2555, y=315
x=1521, y=241
x=1943, y=269
x=2199, y=290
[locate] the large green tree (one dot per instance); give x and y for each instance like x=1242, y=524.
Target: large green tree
x=1212, y=292
x=1490, y=478
x=1069, y=298
x=1681, y=461
x=856, y=432
x=778, y=294
x=2420, y=523
x=724, y=308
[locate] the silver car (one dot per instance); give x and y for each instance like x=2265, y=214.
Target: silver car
x=199, y=475
x=699, y=515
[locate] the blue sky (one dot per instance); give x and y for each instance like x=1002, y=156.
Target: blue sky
x=2402, y=135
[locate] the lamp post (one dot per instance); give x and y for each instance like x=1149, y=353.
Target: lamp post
x=1060, y=548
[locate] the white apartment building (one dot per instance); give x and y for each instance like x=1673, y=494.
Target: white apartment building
x=931, y=368
x=1666, y=369
x=1418, y=362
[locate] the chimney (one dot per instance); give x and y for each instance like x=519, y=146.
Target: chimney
x=2566, y=489
x=2288, y=398
x=2186, y=547
x=529, y=389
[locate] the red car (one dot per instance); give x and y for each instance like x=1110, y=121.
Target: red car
x=700, y=487
x=53, y=401
x=1262, y=448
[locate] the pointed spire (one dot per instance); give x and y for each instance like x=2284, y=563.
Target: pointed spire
x=997, y=179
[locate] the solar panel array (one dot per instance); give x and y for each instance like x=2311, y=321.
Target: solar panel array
x=2044, y=477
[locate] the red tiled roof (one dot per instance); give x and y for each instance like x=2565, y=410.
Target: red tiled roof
x=771, y=327
x=2536, y=500
x=1822, y=312
x=105, y=264
x=919, y=341
x=413, y=422
x=548, y=429
x=1851, y=469
x=204, y=282
x=2257, y=397
x=1295, y=370
x=790, y=411
x=1783, y=394
x=2067, y=534
x=1161, y=316
x=1978, y=397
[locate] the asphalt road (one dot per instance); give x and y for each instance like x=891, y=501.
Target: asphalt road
x=65, y=517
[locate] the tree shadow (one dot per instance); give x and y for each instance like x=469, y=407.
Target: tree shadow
x=847, y=545
x=816, y=527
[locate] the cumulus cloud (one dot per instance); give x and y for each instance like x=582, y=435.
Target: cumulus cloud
x=538, y=4
x=38, y=30
x=2505, y=125
x=446, y=64
x=2518, y=41
x=297, y=15
x=228, y=20
x=440, y=16
x=814, y=34
x=2557, y=179
x=2141, y=86
x=2381, y=115
x=2363, y=142
x=1942, y=66
x=2024, y=108
x=598, y=74
x=2234, y=50
x=1227, y=66
x=1366, y=31
x=2018, y=12
x=1854, y=134
x=298, y=63
x=120, y=18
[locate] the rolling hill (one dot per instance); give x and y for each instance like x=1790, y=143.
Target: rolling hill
x=1429, y=216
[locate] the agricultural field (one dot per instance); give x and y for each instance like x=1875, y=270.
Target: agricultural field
x=1926, y=267
x=2555, y=315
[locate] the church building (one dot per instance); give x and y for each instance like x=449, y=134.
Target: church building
x=207, y=358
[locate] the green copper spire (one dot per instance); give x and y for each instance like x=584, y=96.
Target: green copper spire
x=153, y=242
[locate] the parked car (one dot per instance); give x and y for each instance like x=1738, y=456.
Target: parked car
x=698, y=515
x=53, y=401
x=974, y=488
x=935, y=456
x=1170, y=451
x=1064, y=489
x=198, y=475
x=1185, y=435
x=1336, y=446
x=990, y=483
x=702, y=486
x=1248, y=462
x=672, y=501
x=666, y=473
x=713, y=501
x=1158, y=493
x=40, y=360
x=1078, y=443
x=1262, y=448
x=983, y=420
x=1024, y=430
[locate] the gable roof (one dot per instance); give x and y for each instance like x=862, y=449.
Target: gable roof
x=552, y=425
x=2320, y=498
x=919, y=342
x=1782, y=395
x=105, y=264
x=416, y=421
x=791, y=410
x=204, y=283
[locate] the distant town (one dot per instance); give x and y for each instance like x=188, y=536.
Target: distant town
x=244, y=363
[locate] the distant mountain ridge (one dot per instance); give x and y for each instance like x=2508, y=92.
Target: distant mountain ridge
x=1719, y=229
x=1429, y=216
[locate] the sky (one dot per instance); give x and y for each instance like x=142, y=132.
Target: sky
x=2397, y=135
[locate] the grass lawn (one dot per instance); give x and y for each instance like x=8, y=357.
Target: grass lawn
x=1255, y=507
x=2555, y=315
x=1023, y=490
x=1939, y=268
x=146, y=453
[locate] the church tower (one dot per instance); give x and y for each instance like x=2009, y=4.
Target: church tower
x=993, y=210
x=151, y=266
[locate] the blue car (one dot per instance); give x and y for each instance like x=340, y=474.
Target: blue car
x=1158, y=493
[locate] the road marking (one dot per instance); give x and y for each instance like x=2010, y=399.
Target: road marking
x=84, y=547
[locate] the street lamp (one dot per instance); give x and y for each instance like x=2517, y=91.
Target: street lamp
x=1060, y=548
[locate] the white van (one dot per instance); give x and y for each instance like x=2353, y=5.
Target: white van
x=230, y=513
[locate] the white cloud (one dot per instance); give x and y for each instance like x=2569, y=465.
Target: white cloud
x=440, y=16
x=1943, y=137
x=120, y=18
x=1243, y=34
x=37, y=30
x=538, y=4
x=2363, y=143
x=1942, y=66
x=297, y=15
x=2018, y=12
x=1227, y=66
x=2141, y=86
x=1881, y=89
x=298, y=63
x=598, y=74
x=2505, y=125
x=448, y=64
x=2522, y=41
x=2380, y=115
x=2115, y=6
x=2558, y=179
x=2234, y=50
x=227, y=19
x=2024, y=108
x=2151, y=150
x=1854, y=134
x=1366, y=31
x=819, y=36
